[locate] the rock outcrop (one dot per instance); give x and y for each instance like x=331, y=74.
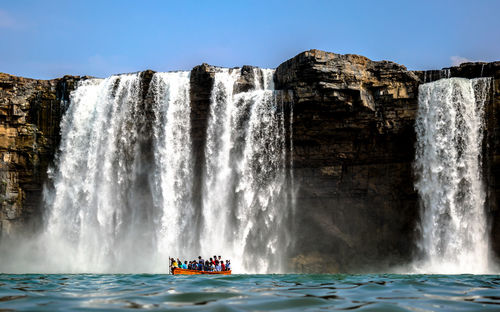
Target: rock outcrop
x=353, y=150
x=353, y=138
x=30, y=112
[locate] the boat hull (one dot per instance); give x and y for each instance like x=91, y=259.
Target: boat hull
x=177, y=271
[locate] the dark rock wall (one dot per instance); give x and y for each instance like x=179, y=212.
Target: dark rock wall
x=353, y=138
x=492, y=161
x=354, y=145
x=201, y=82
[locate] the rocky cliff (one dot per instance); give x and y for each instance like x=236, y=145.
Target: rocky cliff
x=30, y=112
x=353, y=147
x=353, y=137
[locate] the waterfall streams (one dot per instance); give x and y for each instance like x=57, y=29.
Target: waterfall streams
x=244, y=196
x=122, y=196
x=173, y=175
x=449, y=126
x=122, y=183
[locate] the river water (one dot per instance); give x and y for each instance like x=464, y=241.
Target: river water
x=157, y=292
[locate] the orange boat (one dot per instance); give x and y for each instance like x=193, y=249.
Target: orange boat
x=177, y=271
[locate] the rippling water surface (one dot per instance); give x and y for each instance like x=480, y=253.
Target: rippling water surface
x=34, y=292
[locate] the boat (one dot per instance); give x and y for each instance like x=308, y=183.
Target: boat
x=177, y=271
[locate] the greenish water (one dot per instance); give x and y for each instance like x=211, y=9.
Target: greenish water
x=85, y=292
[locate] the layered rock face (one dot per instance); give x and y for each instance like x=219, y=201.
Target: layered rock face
x=30, y=112
x=353, y=147
x=353, y=139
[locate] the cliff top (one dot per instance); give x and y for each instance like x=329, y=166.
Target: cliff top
x=320, y=57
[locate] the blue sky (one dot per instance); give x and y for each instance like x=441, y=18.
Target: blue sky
x=48, y=39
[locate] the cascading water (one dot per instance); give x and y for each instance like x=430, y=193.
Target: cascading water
x=449, y=126
x=121, y=193
x=244, y=197
x=117, y=205
x=173, y=176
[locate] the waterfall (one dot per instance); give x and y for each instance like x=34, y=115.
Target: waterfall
x=120, y=196
x=122, y=184
x=448, y=165
x=244, y=196
x=173, y=172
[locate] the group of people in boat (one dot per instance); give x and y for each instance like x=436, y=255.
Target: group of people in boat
x=215, y=264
